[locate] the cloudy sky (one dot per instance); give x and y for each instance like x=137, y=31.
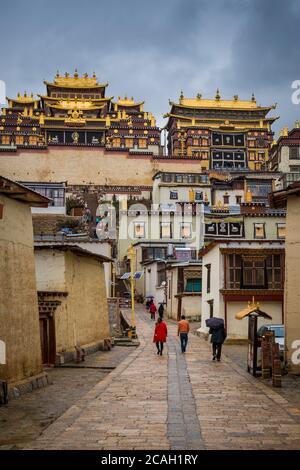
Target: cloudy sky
x=152, y=50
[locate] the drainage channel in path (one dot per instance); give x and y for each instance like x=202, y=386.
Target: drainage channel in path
x=184, y=431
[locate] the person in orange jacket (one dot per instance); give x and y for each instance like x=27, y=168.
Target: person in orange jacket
x=183, y=332
x=160, y=335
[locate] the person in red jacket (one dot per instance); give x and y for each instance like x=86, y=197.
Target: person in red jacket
x=160, y=335
x=152, y=310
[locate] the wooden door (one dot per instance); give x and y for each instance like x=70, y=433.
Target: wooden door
x=47, y=335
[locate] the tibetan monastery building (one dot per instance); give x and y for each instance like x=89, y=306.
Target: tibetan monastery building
x=223, y=134
x=76, y=133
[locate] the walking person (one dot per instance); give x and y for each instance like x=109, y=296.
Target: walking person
x=183, y=332
x=152, y=310
x=218, y=336
x=160, y=335
x=161, y=310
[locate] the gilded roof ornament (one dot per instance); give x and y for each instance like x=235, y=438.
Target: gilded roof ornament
x=76, y=73
x=297, y=124
x=181, y=95
x=218, y=96
x=253, y=99
x=199, y=96
x=236, y=97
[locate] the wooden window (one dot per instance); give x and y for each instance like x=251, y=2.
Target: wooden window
x=208, y=267
x=129, y=143
x=32, y=140
x=259, y=230
x=193, y=285
x=117, y=142
x=142, y=143
x=254, y=273
x=173, y=194
x=139, y=229
x=275, y=271
x=250, y=272
x=185, y=230
x=165, y=230
x=294, y=153
x=19, y=139
x=196, y=142
x=161, y=274
x=233, y=275
x=281, y=230
x=5, y=140
x=238, y=199
x=226, y=199
x=211, y=308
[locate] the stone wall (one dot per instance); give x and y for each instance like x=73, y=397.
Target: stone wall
x=292, y=283
x=19, y=319
x=87, y=166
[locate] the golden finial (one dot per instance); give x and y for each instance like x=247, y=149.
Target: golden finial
x=76, y=74
x=18, y=94
x=274, y=142
x=218, y=96
x=67, y=74
x=85, y=75
x=181, y=95
x=199, y=96
x=281, y=132
x=25, y=94
x=236, y=97
x=285, y=131
x=297, y=124
x=253, y=99
x=57, y=74
x=94, y=75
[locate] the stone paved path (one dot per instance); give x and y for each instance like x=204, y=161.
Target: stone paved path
x=176, y=402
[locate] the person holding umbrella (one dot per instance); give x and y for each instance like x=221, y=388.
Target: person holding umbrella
x=161, y=310
x=218, y=335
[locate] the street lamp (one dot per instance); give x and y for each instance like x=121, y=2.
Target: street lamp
x=131, y=255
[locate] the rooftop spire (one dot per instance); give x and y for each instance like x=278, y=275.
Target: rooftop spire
x=218, y=96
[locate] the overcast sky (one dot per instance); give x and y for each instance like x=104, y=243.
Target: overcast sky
x=153, y=49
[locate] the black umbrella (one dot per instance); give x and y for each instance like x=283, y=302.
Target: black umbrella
x=214, y=322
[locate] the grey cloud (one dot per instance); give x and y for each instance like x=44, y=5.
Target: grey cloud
x=152, y=50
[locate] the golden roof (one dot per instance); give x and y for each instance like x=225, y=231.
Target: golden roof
x=128, y=102
x=218, y=103
x=67, y=81
x=24, y=99
x=253, y=307
x=75, y=104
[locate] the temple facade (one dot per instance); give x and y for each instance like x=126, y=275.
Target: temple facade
x=75, y=112
x=222, y=134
